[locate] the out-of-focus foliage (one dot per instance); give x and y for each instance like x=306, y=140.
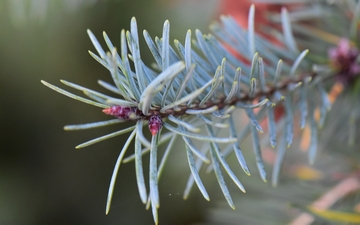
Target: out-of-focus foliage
x=23, y=12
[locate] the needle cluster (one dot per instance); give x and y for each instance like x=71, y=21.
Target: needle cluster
x=197, y=89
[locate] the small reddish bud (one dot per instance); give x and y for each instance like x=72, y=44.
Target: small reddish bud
x=155, y=124
x=344, y=58
x=107, y=111
x=122, y=112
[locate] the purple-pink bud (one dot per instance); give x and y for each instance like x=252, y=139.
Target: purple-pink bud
x=344, y=59
x=122, y=112
x=155, y=124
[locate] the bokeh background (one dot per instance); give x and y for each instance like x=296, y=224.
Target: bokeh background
x=44, y=180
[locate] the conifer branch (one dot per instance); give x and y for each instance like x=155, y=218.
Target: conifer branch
x=185, y=92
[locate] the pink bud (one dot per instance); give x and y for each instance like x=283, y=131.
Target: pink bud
x=344, y=60
x=122, y=112
x=155, y=124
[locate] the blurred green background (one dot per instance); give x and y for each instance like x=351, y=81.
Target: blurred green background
x=44, y=180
